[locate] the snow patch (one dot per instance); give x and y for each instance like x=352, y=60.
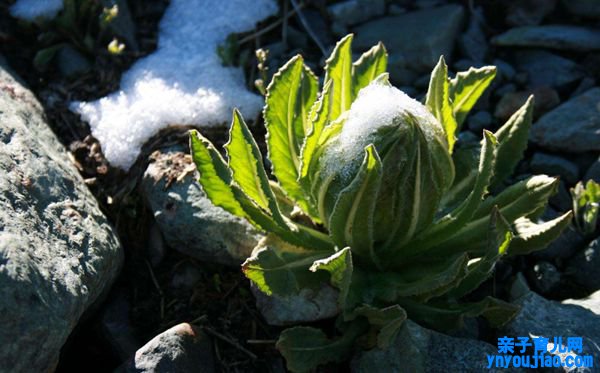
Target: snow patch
x=30, y=10
x=183, y=82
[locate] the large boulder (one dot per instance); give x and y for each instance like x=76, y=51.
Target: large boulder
x=58, y=253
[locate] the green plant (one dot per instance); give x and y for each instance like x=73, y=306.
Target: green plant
x=375, y=196
x=586, y=206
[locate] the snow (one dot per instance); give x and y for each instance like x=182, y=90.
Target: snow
x=30, y=10
x=183, y=82
x=378, y=105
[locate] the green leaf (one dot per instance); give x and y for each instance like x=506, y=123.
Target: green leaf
x=340, y=267
x=460, y=216
x=467, y=87
x=438, y=101
x=245, y=162
x=369, y=66
x=290, y=96
x=480, y=269
x=586, y=206
x=512, y=139
x=338, y=69
x=386, y=321
x=215, y=177
x=277, y=267
x=306, y=348
x=351, y=222
x=531, y=236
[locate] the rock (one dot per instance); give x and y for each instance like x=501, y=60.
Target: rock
x=572, y=127
x=544, y=318
x=416, y=38
x=189, y=222
x=71, y=63
x=479, y=121
x=546, y=98
x=586, y=84
x=547, y=69
x=351, y=12
x=545, y=277
x=561, y=37
x=505, y=70
x=181, y=349
x=473, y=43
x=583, y=8
x=528, y=12
x=58, y=253
x=307, y=306
x=417, y=349
x=584, y=267
x=564, y=247
x=593, y=173
x=552, y=165
x=591, y=302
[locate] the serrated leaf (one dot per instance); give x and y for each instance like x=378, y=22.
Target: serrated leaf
x=438, y=101
x=306, y=348
x=461, y=215
x=351, y=222
x=338, y=69
x=340, y=267
x=386, y=321
x=215, y=177
x=368, y=67
x=466, y=88
x=290, y=96
x=245, y=162
x=530, y=236
x=512, y=140
x=280, y=268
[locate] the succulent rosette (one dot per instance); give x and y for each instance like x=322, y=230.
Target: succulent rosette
x=375, y=196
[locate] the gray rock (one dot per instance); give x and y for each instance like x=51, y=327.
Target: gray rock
x=547, y=69
x=591, y=302
x=479, y=121
x=307, y=306
x=58, y=253
x=528, y=12
x=564, y=247
x=189, y=222
x=417, y=349
x=181, y=349
x=71, y=63
x=593, y=173
x=473, y=43
x=505, y=70
x=351, y=12
x=586, y=84
x=545, y=277
x=560, y=37
x=416, y=38
x=552, y=165
x=572, y=127
x=544, y=318
x=546, y=98
x=584, y=267
x=583, y=8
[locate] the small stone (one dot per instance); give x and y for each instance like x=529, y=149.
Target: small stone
x=351, y=12
x=71, y=63
x=584, y=267
x=417, y=349
x=528, y=12
x=479, y=121
x=572, y=127
x=564, y=247
x=562, y=37
x=552, y=165
x=183, y=348
x=505, y=70
x=547, y=69
x=593, y=173
x=546, y=98
x=505, y=90
x=586, y=84
x=583, y=8
x=465, y=64
x=419, y=37
x=545, y=277
x=473, y=43
x=307, y=306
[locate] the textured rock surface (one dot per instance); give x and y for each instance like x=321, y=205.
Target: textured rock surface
x=415, y=40
x=189, y=222
x=560, y=37
x=58, y=253
x=547, y=69
x=573, y=126
x=552, y=165
x=181, y=349
x=417, y=349
x=584, y=267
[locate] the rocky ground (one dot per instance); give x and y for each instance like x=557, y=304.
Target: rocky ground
x=138, y=271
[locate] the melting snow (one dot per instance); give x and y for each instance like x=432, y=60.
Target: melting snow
x=31, y=9
x=183, y=82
